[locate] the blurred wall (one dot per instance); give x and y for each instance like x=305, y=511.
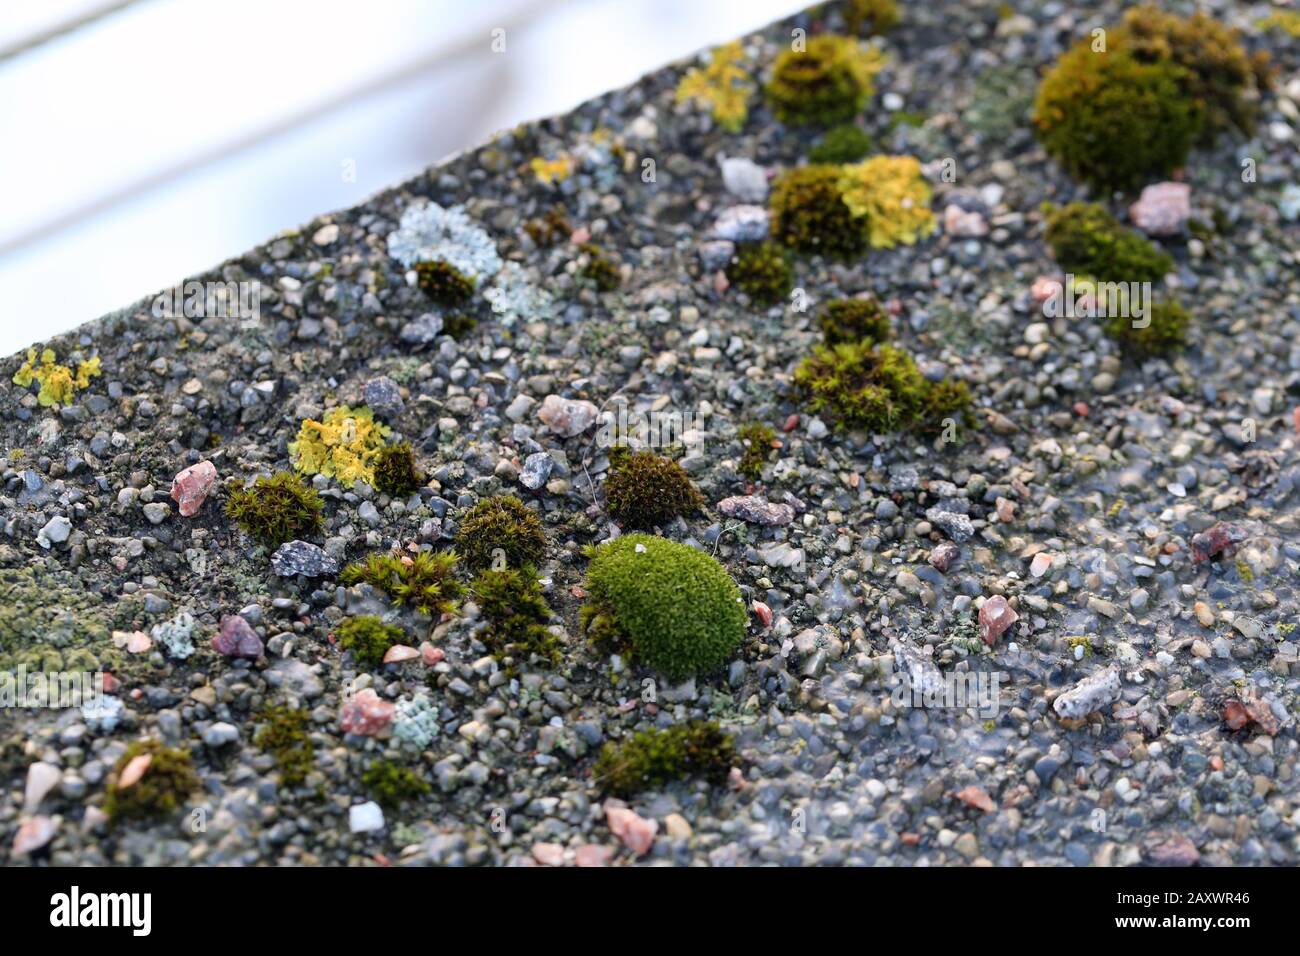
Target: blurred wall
x=146, y=140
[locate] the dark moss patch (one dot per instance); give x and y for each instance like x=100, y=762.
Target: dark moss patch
x=501, y=524
x=426, y=581
x=599, y=268
x=1087, y=240
x=878, y=388
x=656, y=757
x=1114, y=121
x=757, y=440
x=277, y=509
x=845, y=143
x=809, y=213
x=395, y=471
x=516, y=612
x=167, y=783
x=866, y=18
x=1165, y=330
x=391, y=784
x=444, y=283
x=827, y=83
x=645, y=490
x=368, y=638
x=854, y=320
x=283, y=735
x=549, y=229
x=763, y=272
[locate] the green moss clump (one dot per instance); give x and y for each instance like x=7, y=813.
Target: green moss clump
x=395, y=471
x=501, y=523
x=1165, y=331
x=757, y=440
x=655, y=757
x=866, y=18
x=392, y=784
x=516, y=612
x=599, y=268
x=459, y=325
x=878, y=388
x=854, y=320
x=1114, y=121
x=1221, y=78
x=277, y=509
x=426, y=582
x=762, y=271
x=283, y=735
x=368, y=638
x=444, y=283
x=809, y=213
x=645, y=490
x=168, y=781
x=667, y=605
x=828, y=82
x=1087, y=240
x=845, y=143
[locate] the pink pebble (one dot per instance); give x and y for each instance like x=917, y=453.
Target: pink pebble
x=34, y=834
x=134, y=770
x=548, y=854
x=995, y=617
x=238, y=639
x=636, y=832
x=432, y=655
x=366, y=713
x=399, y=654
x=592, y=854
x=190, y=487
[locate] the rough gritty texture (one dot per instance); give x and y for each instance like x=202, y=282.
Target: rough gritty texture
x=1107, y=467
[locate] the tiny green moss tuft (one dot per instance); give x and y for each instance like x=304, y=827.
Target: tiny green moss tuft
x=368, y=638
x=426, y=582
x=762, y=271
x=283, y=735
x=277, y=509
x=846, y=143
x=809, y=213
x=551, y=228
x=878, y=388
x=167, y=781
x=827, y=82
x=671, y=607
x=652, y=758
x=395, y=471
x=501, y=528
x=599, y=267
x=392, y=785
x=516, y=613
x=854, y=320
x=758, y=440
x=645, y=490
x=444, y=283
x=1087, y=240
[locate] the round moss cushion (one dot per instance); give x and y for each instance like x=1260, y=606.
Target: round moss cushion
x=676, y=608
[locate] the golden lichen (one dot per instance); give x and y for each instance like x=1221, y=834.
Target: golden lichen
x=549, y=172
x=724, y=87
x=889, y=193
x=59, y=384
x=344, y=445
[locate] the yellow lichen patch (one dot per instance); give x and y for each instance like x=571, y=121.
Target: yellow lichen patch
x=724, y=87
x=344, y=446
x=1288, y=21
x=551, y=171
x=59, y=384
x=889, y=193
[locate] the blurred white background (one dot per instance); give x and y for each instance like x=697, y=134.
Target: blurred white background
x=147, y=140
